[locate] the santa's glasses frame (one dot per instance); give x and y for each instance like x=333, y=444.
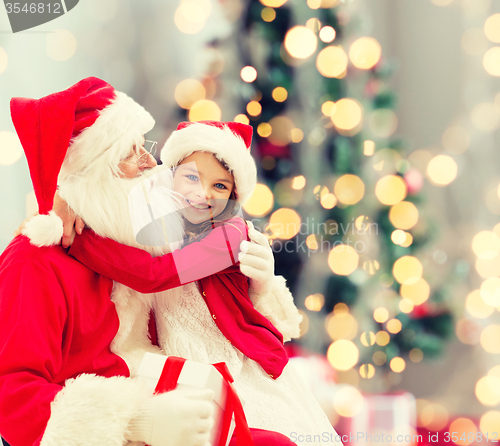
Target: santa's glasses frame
x=150, y=148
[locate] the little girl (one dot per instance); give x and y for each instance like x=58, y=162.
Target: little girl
x=214, y=319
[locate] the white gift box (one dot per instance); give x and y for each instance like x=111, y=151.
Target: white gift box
x=194, y=375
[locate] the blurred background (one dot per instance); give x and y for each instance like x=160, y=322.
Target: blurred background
x=376, y=130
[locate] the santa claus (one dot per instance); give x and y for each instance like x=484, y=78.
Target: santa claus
x=61, y=382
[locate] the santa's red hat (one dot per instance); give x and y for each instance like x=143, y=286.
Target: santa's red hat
x=66, y=132
x=229, y=141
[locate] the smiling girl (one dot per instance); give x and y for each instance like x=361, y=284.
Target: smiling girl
x=217, y=318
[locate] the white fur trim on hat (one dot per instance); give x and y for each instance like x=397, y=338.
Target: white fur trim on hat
x=44, y=230
x=119, y=126
x=223, y=143
x=93, y=410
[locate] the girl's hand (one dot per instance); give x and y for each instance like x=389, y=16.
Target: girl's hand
x=71, y=222
x=257, y=261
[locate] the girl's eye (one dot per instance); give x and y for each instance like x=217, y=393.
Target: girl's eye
x=192, y=177
x=220, y=186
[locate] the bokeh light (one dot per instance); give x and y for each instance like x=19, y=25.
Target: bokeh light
x=349, y=189
x=260, y=202
x=273, y=3
x=299, y=182
x=61, y=44
x=486, y=244
x=407, y=270
x=397, y=364
x=347, y=114
x=367, y=338
x=455, y=139
x=442, y=170
x=381, y=315
x=491, y=61
x=268, y=14
x=328, y=201
x=465, y=430
x=327, y=108
x=379, y=358
x=248, y=74
x=11, y=149
x=254, y=108
x=264, y=129
x=313, y=24
x=188, y=92
x=398, y=237
x=477, y=307
x=332, y=61
x=365, y=53
x=416, y=355
x=191, y=15
x=490, y=291
x=404, y=215
x=327, y=34
x=417, y=292
x=242, y=118
x=406, y=306
x=300, y=42
x=490, y=339
x=343, y=259
x=382, y=338
x=297, y=135
x=4, y=60
x=282, y=130
x=367, y=371
x=383, y=122
x=490, y=424
x=341, y=326
x=467, y=331
x=488, y=390
x=368, y=148
x=314, y=302
x=342, y=354
x=492, y=28
x=280, y=94
x=474, y=42
x=205, y=110
x=390, y=189
x=312, y=242
x=284, y=223
x=347, y=401
x=433, y=416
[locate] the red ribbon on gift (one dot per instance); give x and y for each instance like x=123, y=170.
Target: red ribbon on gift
x=168, y=381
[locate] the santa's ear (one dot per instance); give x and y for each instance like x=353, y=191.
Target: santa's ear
x=44, y=230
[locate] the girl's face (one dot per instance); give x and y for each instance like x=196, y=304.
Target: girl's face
x=205, y=185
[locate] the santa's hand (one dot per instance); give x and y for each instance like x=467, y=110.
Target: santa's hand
x=176, y=418
x=19, y=230
x=71, y=222
x=257, y=261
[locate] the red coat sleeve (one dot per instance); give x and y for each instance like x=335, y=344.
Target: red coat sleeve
x=32, y=317
x=140, y=271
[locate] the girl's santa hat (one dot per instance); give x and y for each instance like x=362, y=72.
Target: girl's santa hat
x=84, y=130
x=230, y=143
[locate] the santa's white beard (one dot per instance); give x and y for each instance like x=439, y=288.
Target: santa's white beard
x=103, y=204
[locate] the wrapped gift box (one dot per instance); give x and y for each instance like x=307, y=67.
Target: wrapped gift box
x=194, y=375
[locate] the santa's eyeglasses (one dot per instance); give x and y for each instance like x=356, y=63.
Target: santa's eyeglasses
x=150, y=148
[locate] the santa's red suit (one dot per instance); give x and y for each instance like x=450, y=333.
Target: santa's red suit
x=57, y=323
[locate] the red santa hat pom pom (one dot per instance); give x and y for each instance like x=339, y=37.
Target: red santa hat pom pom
x=229, y=141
